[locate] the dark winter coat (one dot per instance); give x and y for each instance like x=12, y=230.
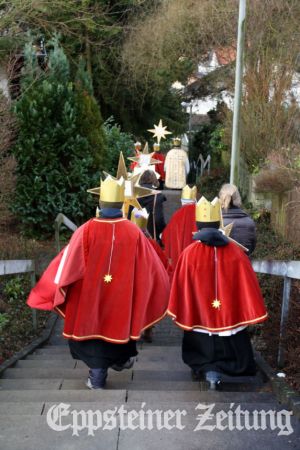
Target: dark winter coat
x=150, y=203
x=243, y=230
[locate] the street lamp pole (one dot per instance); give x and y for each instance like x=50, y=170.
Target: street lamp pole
x=235, y=144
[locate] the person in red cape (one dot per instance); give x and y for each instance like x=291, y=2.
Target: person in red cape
x=159, y=168
x=178, y=233
x=97, y=284
x=137, y=152
x=214, y=296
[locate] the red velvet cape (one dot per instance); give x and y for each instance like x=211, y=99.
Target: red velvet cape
x=159, y=168
x=162, y=256
x=117, y=311
x=178, y=234
x=193, y=289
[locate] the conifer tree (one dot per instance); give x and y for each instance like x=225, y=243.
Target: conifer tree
x=55, y=160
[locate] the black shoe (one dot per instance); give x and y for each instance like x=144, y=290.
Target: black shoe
x=127, y=365
x=197, y=375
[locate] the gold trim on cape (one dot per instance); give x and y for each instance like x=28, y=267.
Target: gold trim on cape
x=231, y=327
x=105, y=338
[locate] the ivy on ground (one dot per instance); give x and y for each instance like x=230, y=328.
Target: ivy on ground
x=16, y=325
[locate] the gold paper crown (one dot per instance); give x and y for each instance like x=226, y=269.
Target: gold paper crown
x=177, y=142
x=188, y=193
x=208, y=212
x=140, y=217
x=112, y=190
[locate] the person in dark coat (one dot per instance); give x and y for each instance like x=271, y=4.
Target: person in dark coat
x=243, y=230
x=153, y=205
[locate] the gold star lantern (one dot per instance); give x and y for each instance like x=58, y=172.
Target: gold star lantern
x=159, y=131
x=144, y=159
x=131, y=189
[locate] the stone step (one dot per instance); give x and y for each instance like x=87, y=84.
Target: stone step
x=62, y=357
x=21, y=408
x=47, y=363
x=27, y=432
x=55, y=373
x=79, y=383
x=23, y=384
x=41, y=407
x=53, y=350
x=142, y=346
x=162, y=375
x=199, y=396
x=87, y=395
x=116, y=395
x=140, y=364
x=151, y=356
x=206, y=439
x=117, y=381
x=129, y=376
x=134, y=385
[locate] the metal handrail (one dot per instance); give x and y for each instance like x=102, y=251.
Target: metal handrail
x=16, y=266
x=289, y=270
x=60, y=220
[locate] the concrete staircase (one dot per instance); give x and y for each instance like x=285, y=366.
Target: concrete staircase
x=158, y=381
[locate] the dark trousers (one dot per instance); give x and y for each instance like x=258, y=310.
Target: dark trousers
x=231, y=355
x=97, y=354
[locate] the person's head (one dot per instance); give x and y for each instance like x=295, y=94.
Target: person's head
x=188, y=195
x=149, y=177
x=176, y=142
x=137, y=147
x=140, y=218
x=208, y=214
x=156, y=147
x=112, y=193
x=229, y=196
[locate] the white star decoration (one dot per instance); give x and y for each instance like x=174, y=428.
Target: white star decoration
x=159, y=131
x=108, y=278
x=216, y=304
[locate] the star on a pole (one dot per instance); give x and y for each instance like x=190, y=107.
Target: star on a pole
x=159, y=131
x=144, y=159
x=132, y=189
x=226, y=229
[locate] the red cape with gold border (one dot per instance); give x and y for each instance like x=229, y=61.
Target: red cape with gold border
x=162, y=256
x=193, y=289
x=178, y=234
x=159, y=168
x=116, y=311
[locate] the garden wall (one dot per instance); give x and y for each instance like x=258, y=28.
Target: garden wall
x=284, y=208
x=285, y=214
